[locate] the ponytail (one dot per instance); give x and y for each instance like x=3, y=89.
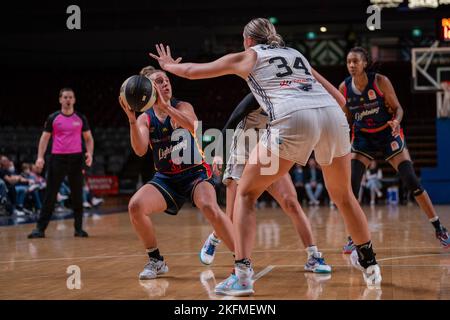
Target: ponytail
x=263, y=32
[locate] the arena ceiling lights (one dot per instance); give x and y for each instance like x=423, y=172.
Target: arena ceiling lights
x=412, y=4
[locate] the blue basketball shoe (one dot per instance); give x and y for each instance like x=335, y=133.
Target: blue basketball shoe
x=443, y=237
x=208, y=250
x=316, y=263
x=238, y=284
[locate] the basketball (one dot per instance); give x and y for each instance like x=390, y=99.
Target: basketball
x=139, y=92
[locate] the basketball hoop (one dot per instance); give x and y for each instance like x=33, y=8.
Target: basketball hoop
x=444, y=103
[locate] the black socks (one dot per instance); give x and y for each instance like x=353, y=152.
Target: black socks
x=366, y=255
x=154, y=253
x=245, y=262
x=436, y=223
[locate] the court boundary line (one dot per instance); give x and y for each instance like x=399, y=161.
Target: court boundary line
x=196, y=253
x=263, y=272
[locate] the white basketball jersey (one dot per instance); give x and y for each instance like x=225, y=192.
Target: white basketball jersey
x=282, y=82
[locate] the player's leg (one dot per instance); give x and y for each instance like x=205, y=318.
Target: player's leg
x=337, y=179
x=204, y=197
x=403, y=164
x=208, y=250
x=231, y=197
x=336, y=176
x=148, y=200
x=251, y=185
x=359, y=164
x=333, y=154
x=283, y=191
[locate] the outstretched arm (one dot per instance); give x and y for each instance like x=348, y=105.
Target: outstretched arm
x=239, y=64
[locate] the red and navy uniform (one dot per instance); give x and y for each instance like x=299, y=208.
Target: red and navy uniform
x=370, y=131
x=178, y=159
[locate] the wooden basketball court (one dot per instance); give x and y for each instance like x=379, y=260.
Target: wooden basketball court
x=413, y=264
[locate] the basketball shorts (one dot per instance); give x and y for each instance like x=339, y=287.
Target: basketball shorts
x=368, y=144
x=179, y=188
x=243, y=143
x=295, y=136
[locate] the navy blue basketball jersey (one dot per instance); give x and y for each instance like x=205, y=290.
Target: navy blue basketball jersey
x=368, y=109
x=174, y=150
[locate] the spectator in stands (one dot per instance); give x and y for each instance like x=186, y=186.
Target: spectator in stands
x=37, y=177
x=89, y=200
x=11, y=179
x=313, y=180
x=31, y=188
x=3, y=197
x=374, y=176
x=297, y=179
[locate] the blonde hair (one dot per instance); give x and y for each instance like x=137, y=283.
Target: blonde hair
x=263, y=31
x=149, y=70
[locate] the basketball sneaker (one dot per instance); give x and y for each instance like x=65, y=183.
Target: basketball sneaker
x=238, y=284
x=208, y=250
x=371, y=274
x=36, y=233
x=349, y=246
x=80, y=233
x=221, y=288
x=443, y=237
x=316, y=263
x=153, y=268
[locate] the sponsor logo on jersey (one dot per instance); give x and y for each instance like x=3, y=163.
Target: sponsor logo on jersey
x=394, y=146
x=305, y=81
x=372, y=95
x=360, y=115
x=164, y=153
x=76, y=123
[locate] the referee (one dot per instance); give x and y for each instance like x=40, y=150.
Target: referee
x=65, y=127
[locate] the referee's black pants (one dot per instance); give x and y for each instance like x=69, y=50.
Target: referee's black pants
x=59, y=166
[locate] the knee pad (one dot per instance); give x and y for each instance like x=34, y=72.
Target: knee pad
x=358, y=169
x=409, y=178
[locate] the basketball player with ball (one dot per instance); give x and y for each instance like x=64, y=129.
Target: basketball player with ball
x=177, y=179
x=304, y=117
